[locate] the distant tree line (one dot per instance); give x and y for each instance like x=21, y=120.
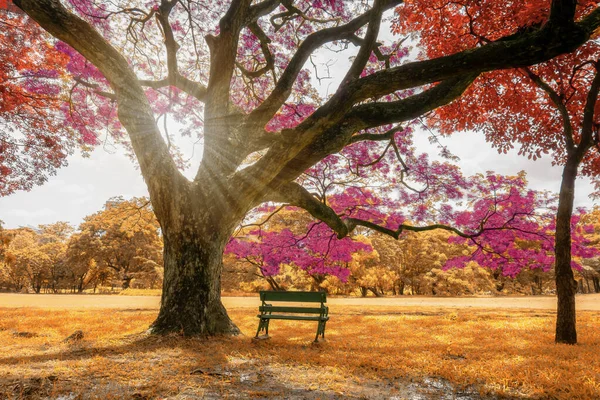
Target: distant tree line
x=117, y=247
x=120, y=247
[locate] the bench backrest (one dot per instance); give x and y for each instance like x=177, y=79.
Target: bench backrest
x=298, y=297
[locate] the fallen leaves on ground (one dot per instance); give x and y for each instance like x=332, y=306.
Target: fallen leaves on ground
x=372, y=353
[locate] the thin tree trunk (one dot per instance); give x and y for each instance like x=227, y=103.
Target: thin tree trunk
x=566, y=286
x=587, y=282
x=273, y=283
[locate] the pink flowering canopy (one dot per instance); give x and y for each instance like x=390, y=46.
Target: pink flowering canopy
x=508, y=226
x=317, y=252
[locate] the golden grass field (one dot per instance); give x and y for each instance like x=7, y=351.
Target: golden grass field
x=384, y=352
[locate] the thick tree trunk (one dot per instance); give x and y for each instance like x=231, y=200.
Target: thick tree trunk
x=193, y=261
x=191, y=298
x=566, y=286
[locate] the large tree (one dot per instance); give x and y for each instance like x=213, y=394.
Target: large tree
x=547, y=108
x=236, y=71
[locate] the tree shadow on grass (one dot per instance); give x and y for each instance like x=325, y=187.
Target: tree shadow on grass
x=135, y=344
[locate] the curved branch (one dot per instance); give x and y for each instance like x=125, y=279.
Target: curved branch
x=174, y=78
x=261, y=9
x=320, y=132
x=587, y=136
x=368, y=43
x=264, y=46
x=96, y=88
x=381, y=113
x=262, y=114
x=562, y=108
x=352, y=223
x=376, y=137
x=511, y=52
x=296, y=195
x=335, y=138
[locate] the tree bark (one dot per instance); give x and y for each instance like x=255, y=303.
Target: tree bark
x=566, y=286
x=195, y=232
x=191, y=297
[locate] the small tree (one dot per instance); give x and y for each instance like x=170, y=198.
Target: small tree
x=124, y=237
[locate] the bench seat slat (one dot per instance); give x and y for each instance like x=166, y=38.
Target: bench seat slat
x=299, y=310
x=298, y=297
x=293, y=317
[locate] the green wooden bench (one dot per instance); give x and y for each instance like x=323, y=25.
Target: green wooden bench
x=269, y=311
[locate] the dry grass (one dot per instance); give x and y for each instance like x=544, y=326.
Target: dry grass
x=140, y=292
x=373, y=354
x=158, y=292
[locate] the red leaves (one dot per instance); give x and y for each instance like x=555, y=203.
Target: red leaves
x=34, y=139
x=509, y=107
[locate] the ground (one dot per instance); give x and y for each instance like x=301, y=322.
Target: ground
x=399, y=351
x=590, y=302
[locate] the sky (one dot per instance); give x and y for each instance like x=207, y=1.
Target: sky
x=86, y=184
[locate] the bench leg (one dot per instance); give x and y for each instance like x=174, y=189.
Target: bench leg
x=320, y=331
x=263, y=325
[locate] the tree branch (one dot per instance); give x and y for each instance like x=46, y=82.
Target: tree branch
x=361, y=117
x=134, y=110
x=587, y=129
x=354, y=222
x=264, y=45
x=562, y=108
x=262, y=114
x=512, y=52
x=223, y=51
x=319, y=133
x=174, y=78
x=296, y=195
x=562, y=11
x=96, y=88
x=376, y=137
x=194, y=89
x=368, y=43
